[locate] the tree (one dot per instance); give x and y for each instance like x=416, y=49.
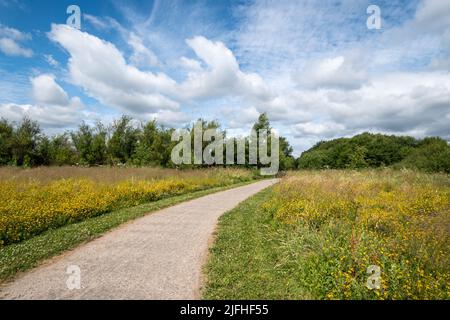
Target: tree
x=90, y=144
x=432, y=155
x=262, y=124
x=287, y=161
x=144, y=154
x=61, y=150
x=154, y=145
x=24, y=143
x=43, y=155
x=377, y=150
x=123, y=141
x=6, y=140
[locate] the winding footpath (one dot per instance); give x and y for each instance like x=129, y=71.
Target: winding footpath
x=159, y=256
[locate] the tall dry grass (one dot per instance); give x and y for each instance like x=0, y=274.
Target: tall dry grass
x=100, y=174
x=34, y=200
x=338, y=223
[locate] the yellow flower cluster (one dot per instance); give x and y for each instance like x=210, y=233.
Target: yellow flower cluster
x=28, y=208
x=399, y=221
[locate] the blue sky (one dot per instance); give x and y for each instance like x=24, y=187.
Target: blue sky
x=313, y=66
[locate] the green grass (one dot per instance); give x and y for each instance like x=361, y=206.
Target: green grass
x=28, y=254
x=255, y=257
x=246, y=260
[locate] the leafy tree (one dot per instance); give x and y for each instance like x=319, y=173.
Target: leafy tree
x=143, y=155
x=432, y=155
x=43, y=155
x=377, y=150
x=90, y=144
x=123, y=141
x=6, y=139
x=24, y=143
x=287, y=161
x=61, y=150
x=154, y=145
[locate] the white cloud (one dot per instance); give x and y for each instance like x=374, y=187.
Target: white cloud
x=408, y=103
x=97, y=22
x=13, y=34
x=47, y=91
x=50, y=60
x=222, y=76
x=190, y=64
x=100, y=68
x=47, y=116
x=11, y=48
x=10, y=39
x=115, y=83
x=142, y=56
x=310, y=66
x=52, y=105
x=433, y=15
x=337, y=72
x=238, y=118
x=170, y=118
x=324, y=129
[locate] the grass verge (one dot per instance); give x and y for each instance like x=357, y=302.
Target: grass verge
x=243, y=259
x=23, y=256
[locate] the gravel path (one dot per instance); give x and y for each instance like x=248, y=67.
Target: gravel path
x=159, y=256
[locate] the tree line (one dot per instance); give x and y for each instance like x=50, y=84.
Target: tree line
x=123, y=142
x=368, y=150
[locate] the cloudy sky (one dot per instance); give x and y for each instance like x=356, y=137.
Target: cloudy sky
x=313, y=66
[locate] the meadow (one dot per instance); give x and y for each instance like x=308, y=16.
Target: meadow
x=314, y=236
x=35, y=200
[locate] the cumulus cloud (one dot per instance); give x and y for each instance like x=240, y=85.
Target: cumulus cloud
x=97, y=22
x=170, y=118
x=222, y=76
x=47, y=91
x=323, y=129
x=408, y=103
x=47, y=116
x=142, y=56
x=10, y=45
x=52, y=105
x=337, y=72
x=100, y=68
x=190, y=64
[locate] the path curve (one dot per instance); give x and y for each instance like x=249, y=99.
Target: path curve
x=159, y=256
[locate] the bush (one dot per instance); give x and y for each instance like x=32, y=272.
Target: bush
x=432, y=155
x=376, y=150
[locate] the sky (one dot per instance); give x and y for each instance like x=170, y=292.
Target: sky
x=314, y=66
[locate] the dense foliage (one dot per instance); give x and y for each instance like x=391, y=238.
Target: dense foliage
x=376, y=150
x=123, y=142
x=149, y=144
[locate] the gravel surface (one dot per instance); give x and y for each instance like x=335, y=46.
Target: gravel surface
x=159, y=256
